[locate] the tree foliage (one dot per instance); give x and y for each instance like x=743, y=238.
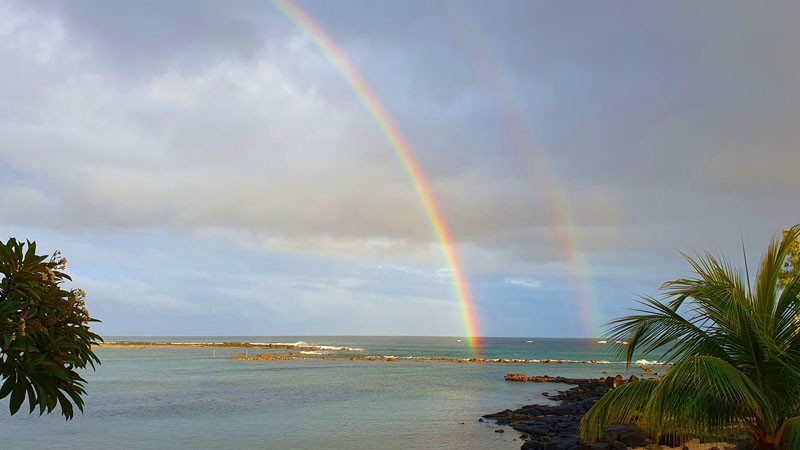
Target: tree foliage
x=791, y=267
x=737, y=344
x=44, y=332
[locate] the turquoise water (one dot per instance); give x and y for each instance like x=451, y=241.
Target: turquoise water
x=178, y=398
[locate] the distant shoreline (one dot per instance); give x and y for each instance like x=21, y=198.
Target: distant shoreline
x=144, y=344
x=302, y=351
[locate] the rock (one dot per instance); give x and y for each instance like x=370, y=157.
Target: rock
x=516, y=377
x=745, y=446
x=630, y=435
x=618, y=445
x=499, y=430
x=555, y=427
x=542, y=379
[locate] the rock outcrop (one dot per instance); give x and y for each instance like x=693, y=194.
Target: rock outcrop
x=555, y=427
x=544, y=379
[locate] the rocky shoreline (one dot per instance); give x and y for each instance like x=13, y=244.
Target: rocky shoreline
x=555, y=427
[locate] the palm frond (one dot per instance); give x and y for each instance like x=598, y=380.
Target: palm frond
x=699, y=396
x=704, y=393
x=624, y=404
x=660, y=327
x=719, y=305
x=718, y=294
x=790, y=433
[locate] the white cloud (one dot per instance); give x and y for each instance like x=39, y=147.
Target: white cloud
x=523, y=281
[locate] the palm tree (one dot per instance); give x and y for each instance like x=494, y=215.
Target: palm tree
x=738, y=350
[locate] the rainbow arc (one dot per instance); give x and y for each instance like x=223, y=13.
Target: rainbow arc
x=532, y=157
x=404, y=153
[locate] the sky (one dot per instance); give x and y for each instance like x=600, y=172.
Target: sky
x=207, y=170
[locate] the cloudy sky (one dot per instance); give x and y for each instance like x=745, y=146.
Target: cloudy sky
x=207, y=170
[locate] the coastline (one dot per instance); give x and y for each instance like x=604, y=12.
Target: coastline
x=555, y=427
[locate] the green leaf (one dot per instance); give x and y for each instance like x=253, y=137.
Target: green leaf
x=791, y=433
x=17, y=396
x=66, y=406
x=31, y=253
x=31, y=397
x=8, y=385
x=621, y=405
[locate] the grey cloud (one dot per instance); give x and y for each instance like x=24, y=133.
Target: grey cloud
x=129, y=293
x=143, y=38
x=200, y=116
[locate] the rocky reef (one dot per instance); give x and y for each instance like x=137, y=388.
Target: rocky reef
x=555, y=427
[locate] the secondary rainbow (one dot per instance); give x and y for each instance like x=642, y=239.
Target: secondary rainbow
x=518, y=125
x=403, y=152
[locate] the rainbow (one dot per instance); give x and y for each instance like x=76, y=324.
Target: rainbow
x=557, y=203
x=403, y=152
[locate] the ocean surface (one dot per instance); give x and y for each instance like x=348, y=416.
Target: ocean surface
x=200, y=398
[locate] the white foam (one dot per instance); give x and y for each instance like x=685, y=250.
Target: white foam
x=651, y=363
x=306, y=346
x=283, y=344
x=336, y=349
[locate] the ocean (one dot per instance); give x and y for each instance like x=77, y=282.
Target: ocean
x=200, y=398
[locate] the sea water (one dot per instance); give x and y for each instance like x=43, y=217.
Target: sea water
x=200, y=398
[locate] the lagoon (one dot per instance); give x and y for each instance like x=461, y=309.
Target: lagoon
x=198, y=397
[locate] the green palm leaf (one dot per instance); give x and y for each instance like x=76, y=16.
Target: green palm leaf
x=624, y=404
x=790, y=437
x=738, y=350
x=701, y=394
